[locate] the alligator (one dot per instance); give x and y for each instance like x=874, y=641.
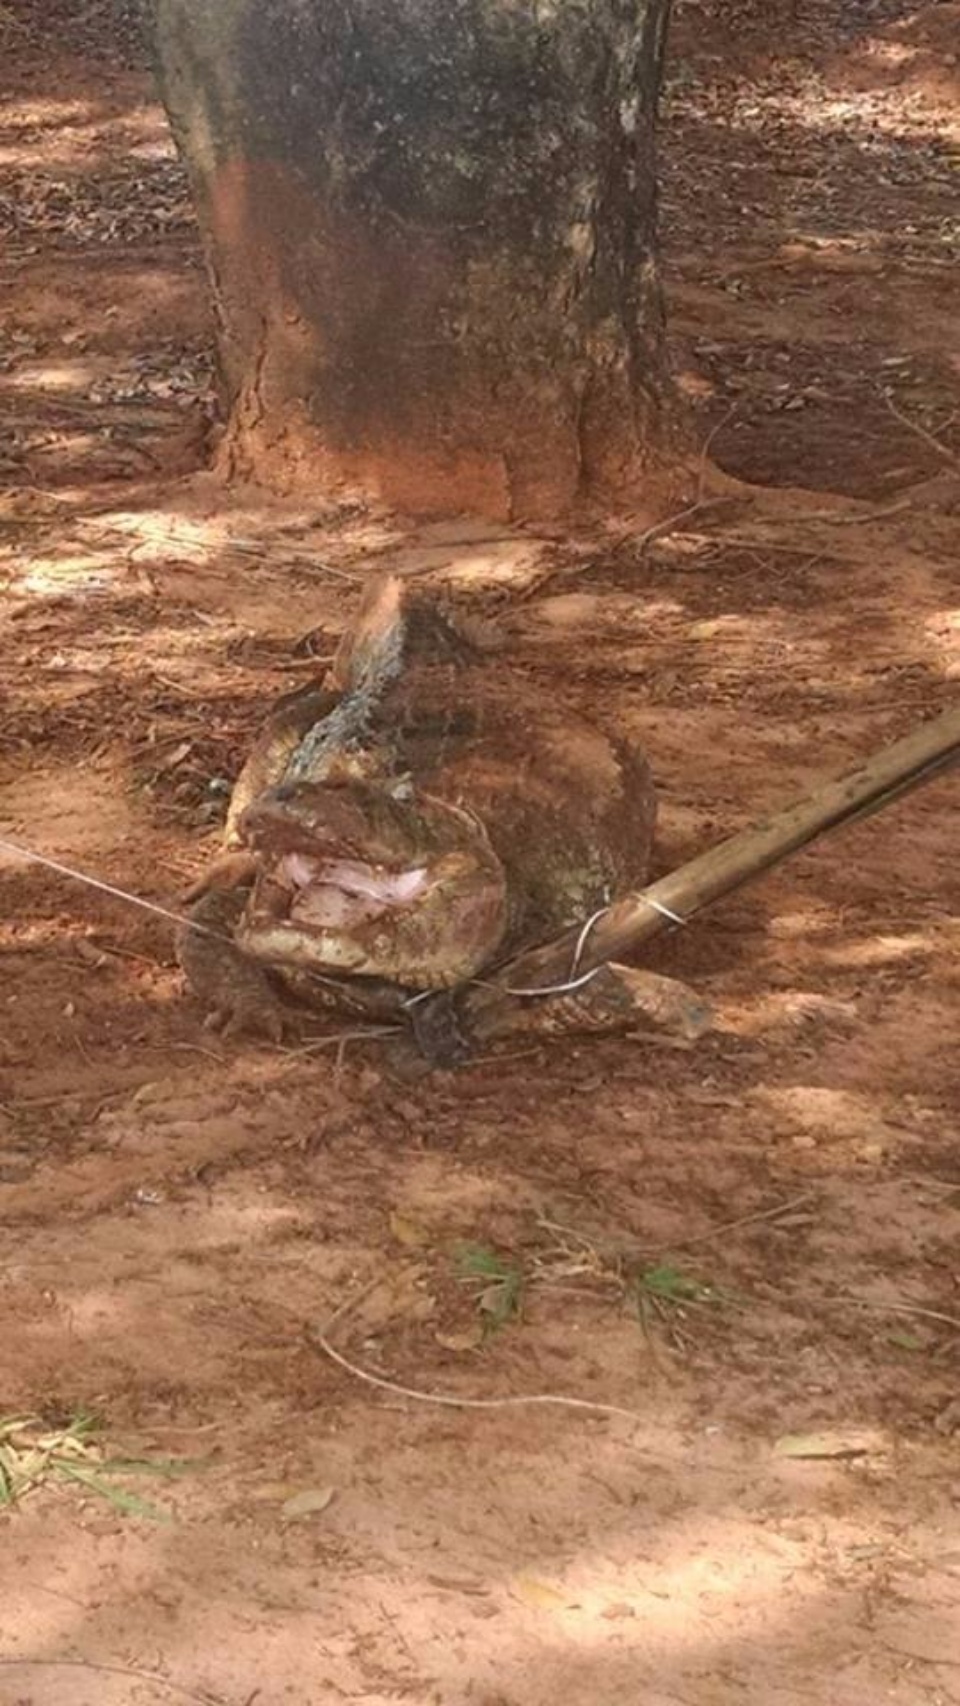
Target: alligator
x=409, y=824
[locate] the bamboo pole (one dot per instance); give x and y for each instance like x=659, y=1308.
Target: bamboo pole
x=634, y=919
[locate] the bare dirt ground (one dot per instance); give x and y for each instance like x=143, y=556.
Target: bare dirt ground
x=738, y=1244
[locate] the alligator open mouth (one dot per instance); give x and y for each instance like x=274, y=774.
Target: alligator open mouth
x=358, y=880
x=331, y=894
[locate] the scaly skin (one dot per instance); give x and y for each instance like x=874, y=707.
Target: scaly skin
x=239, y=995
x=426, y=771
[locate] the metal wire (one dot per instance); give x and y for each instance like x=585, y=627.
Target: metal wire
x=62, y=870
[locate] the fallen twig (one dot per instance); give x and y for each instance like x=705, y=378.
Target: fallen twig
x=903, y=1309
x=141, y=1675
x=832, y=520
x=197, y=1048
x=745, y=1220
x=448, y=1400
x=670, y=523
x=362, y=1034
x=922, y=433
x=921, y=1658
x=714, y=432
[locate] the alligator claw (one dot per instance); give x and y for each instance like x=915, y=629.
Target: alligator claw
x=437, y=1028
x=240, y=995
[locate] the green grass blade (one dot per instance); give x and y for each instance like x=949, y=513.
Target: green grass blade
x=165, y=1467
x=128, y=1503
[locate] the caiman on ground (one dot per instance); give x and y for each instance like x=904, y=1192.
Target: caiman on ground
x=409, y=825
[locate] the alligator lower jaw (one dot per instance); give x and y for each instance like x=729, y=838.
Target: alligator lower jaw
x=329, y=955
x=283, y=943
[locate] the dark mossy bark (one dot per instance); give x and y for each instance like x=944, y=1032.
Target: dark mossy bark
x=431, y=233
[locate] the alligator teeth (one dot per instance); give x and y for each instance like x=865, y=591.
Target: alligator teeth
x=297, y=869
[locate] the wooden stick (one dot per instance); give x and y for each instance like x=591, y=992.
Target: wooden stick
x=921, y=432
x=631, y=921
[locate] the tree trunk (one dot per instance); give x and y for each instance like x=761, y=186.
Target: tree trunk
x=430, y=229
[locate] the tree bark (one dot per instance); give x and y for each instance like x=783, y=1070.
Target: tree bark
x=430, y=227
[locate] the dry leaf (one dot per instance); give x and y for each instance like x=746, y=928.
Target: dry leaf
x=459, y=1584
x=469, y=1340
x=538, y=1594
x=400, y=1295
x=176, y=757
x=407, y=1232
x=831, y=1442
x=89, y=953
x=310, y=1502
x=271, y=1492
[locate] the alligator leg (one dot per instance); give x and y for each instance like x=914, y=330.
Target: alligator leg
x=240, y=996
x=232, y=870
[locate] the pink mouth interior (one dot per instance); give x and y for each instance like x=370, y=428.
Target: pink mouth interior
x=335, y=893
